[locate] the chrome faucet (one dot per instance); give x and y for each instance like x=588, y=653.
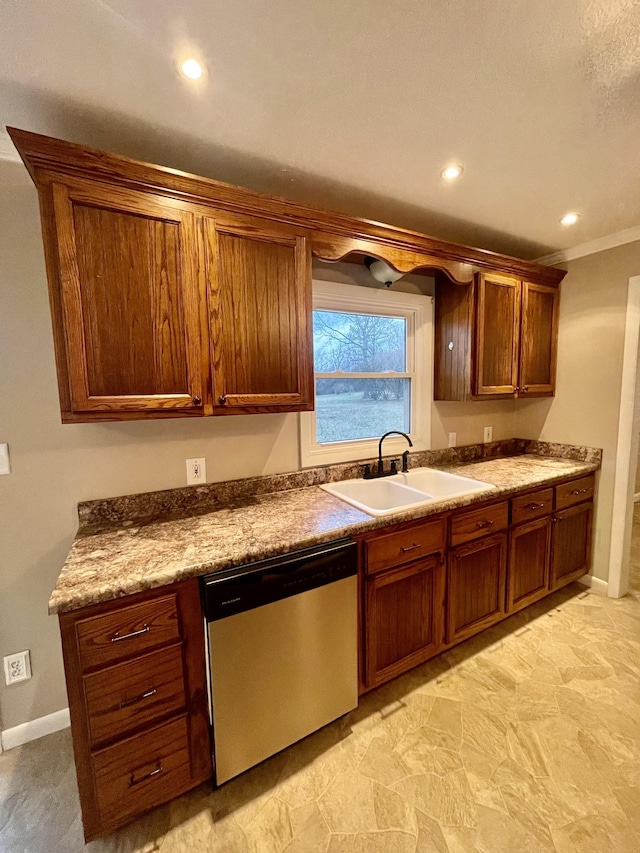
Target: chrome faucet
x=393, y=465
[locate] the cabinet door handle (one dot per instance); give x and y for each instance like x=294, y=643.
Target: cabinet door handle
x=410, y=548
x=196, y=401
x=525, y=388
x=118, y=638
x=133, y=781
x=126, y=702
x=481, y=524
x=534, y=506
x=580, y=491
x=222, y=399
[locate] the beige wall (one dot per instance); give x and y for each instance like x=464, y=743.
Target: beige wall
x=586, y=407
x=55, y=466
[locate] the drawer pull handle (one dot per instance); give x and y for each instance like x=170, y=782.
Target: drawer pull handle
x=533, y=506
x=126, y=702
x=117, y=637
x=481, y=524
x=579, y=492
x=410, y=548
x=133, y=781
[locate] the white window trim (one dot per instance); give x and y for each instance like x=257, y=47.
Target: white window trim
x=418, y=311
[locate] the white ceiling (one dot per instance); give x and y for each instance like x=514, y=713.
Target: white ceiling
x=356, y=105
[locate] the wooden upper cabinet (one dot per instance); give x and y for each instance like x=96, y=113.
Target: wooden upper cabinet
x=538, y=340
x=495, y=338
x=497, y=335
x=129, y=300
x=258, y=277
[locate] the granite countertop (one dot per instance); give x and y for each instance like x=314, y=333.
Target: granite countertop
x=129, y=557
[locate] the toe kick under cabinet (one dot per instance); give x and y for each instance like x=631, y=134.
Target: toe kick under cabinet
x=428, y=585
x=138, y=702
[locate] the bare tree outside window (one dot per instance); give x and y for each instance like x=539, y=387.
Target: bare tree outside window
x=359, y=361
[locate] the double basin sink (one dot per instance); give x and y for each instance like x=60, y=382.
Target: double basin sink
x=418, y=487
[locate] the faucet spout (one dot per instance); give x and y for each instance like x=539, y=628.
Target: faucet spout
x=405, y=455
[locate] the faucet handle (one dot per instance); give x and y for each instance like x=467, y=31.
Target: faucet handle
x=366, y=471
x=394, y=466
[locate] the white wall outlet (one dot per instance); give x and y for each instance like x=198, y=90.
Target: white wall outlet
x=196, y=471
x=488, y=434
x=5, y=464
x=452, y=439
x=17, y=667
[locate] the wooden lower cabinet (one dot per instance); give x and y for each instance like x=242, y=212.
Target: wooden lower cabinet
x=136, y=681
x=476, y=578
x=529, y=552
x=570, y=544
x=404, y=618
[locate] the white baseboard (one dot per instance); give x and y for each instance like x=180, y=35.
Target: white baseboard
x=597, y=585
x=34, y=729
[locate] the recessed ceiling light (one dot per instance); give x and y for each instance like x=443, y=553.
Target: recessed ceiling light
x=452, y=172
x=191, y=68
x=569, y=219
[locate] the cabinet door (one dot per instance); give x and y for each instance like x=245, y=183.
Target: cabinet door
x=538, y=341
x=571, y=544
x=259, y=280
x=128, y=276
x=404, y=618
x=528, y=574
x=476, y=586
x=497, y=331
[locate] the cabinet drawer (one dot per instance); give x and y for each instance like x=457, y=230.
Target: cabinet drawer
x=142, y=771
x=575, y=492
x=127, y=631
x=479, y=522
x=532, y=506
x=123, y=697
x=403, y=546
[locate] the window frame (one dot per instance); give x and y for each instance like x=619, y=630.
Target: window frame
x=417, y=310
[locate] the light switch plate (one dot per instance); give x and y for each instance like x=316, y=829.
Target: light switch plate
x=5, y=464
x=488, y=434
x=452, y=439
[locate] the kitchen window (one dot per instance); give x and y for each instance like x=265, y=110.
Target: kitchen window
x=373, y=361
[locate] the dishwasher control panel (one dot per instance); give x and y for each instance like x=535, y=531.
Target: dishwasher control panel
x=255, y=584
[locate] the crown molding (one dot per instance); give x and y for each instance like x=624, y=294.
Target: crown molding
x=629, y=235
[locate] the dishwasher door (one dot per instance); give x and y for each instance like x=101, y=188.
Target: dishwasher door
x=283, y=669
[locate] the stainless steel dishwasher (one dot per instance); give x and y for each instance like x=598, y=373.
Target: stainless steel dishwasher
x=282, y=649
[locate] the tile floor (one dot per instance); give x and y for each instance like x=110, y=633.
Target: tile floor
x=523, y=739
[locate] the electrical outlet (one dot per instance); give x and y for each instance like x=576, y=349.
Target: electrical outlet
x=17, y=667
x=196, y=471
x=452, y=439
x=488, y=434
x=5, y=464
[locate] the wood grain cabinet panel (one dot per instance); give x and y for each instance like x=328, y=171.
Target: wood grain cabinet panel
x=529, y=554
x=531, y=506
x=129, y=695
x=127, y=630
x=404, y=618
x=497, y=335
x=575, y=492
x=571, y=544
x=476, y=578
x=128, y=274
x=259, y=286
x=538, y=340
x=406, y=545
x=473, y=524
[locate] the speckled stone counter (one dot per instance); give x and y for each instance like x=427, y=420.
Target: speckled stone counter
x=106, y=563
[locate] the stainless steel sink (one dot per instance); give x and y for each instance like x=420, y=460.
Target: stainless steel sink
x=418, y=487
